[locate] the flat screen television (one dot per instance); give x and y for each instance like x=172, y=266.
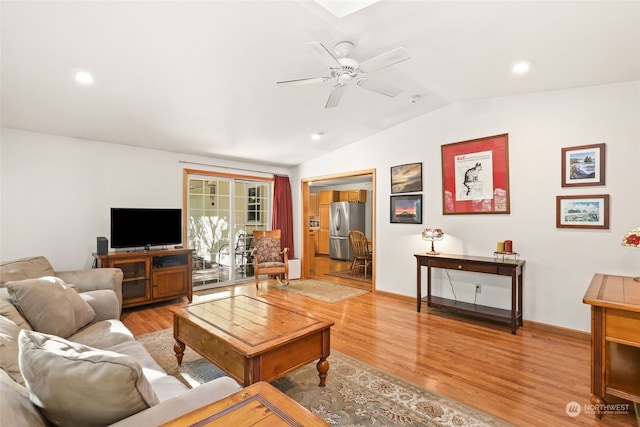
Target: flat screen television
x=139, y=227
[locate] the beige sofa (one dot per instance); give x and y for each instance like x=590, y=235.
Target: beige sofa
x=66, y=358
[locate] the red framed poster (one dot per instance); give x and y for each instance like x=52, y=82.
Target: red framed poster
x=475, y=176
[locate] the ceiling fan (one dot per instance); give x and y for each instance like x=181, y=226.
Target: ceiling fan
x=345, y=70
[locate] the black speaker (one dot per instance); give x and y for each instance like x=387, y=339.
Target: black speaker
x=103, y=245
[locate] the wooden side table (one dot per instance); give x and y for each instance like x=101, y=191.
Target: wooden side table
x=258, y=404
x=615, y=339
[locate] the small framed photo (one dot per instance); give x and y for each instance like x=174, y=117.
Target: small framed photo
x=406, y=178
x=583, y=211
x=406, y=209
x=583, y=165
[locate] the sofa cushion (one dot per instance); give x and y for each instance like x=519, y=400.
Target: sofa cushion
x=8, y=310
x=16, y=409
x=103, y=335
x=9, y=349
x=50, y=305
x=165, y=386
x=25, y=268
x=77, y=385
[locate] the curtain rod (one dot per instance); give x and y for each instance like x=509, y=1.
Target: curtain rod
x=229, y=167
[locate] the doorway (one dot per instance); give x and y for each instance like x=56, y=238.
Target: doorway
x=321, y=266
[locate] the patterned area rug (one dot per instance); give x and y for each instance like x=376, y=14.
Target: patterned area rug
x=356, y=394
x=352, y=274
x=323, y=291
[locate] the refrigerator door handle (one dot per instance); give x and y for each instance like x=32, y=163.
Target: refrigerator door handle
x=339, y=219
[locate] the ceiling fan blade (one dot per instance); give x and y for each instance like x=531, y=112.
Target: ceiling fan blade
x=335, y=95
x=325, y=55
x=379, y=87
x=305, y=81
x=394, y=56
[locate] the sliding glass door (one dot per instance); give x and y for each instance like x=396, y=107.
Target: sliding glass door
x=223, y=211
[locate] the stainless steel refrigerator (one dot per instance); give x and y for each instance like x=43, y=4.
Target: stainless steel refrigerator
x=344, y=216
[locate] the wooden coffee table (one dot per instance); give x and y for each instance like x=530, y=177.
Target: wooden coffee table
x=260, y=404
x=252, y=339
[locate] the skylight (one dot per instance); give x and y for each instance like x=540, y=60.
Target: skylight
x=343, y=8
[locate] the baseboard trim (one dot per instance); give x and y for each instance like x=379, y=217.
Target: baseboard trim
x=528, y=324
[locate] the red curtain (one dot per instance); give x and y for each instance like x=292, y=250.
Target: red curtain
x=283, y=212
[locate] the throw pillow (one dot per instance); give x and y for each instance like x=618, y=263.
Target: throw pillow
x=16, y=409
x=9, y=349
x=76, y=385
x=50, y=305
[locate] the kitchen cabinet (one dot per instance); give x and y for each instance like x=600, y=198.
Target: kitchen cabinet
x=313, y=204
x=358, y=196
x=328, y=196
x=323, y=241
x=323, y=231
x=353, y=196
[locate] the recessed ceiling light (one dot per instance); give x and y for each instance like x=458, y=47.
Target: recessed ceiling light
x=317, y=136
x=521, y=67
x=83, y=77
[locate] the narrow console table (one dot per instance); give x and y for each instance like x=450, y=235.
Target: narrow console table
x=615, y=339
x=501, y=267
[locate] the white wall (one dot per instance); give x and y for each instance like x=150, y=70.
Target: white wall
x=559, y=262
x=56, y=192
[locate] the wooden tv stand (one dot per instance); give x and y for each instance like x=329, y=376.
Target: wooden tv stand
x=501, y=267
x=151, y=276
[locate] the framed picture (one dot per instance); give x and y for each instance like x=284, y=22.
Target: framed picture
x=583, y=165
x=406, y=209
x=475, y=176
x=582, y=211
x=406, y=178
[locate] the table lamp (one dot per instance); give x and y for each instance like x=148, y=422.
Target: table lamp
x=632, y=239
x=432, y=234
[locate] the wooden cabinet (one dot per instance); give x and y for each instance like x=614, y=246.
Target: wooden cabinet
x=323, y=231
x=328, y=196
x=313, y=204
x=323, y=241
x=615, y=339
x=313, y=241
x=151, y=276
x=358, y=196
x=325, y=198
x=353, y=196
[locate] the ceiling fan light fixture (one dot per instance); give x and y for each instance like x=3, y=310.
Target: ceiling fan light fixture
x=344, y=78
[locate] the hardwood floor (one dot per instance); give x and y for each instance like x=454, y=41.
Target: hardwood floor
x=527, y=379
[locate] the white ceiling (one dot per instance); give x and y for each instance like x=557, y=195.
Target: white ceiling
x=199, y=77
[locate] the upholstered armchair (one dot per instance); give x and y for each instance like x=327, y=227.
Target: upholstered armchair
x=269, y=257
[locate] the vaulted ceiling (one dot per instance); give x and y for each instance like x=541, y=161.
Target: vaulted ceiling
x=200, y=77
